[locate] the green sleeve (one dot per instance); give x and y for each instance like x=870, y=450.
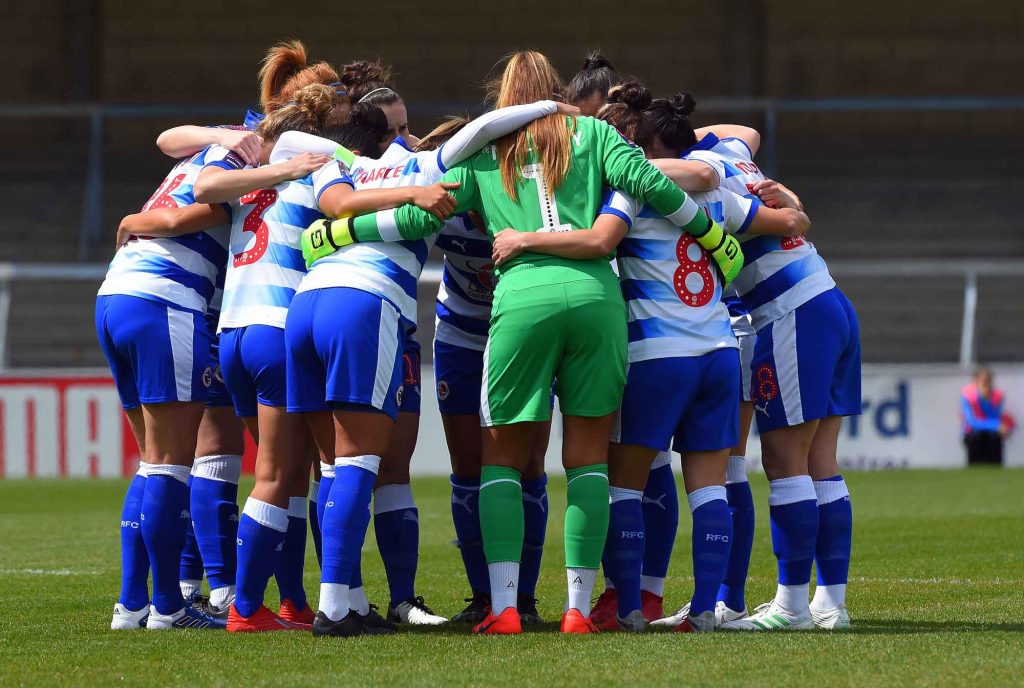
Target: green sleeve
x=626, y=168
x=409, y=222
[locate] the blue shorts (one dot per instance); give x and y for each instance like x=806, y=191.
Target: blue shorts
x=458, y=372
x=692, y=403
x=806, y=364
x=157, y=353
x=253, y=361
x=217, y=395
x=344, y=348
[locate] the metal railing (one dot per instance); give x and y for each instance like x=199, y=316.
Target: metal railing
x=967, y=270
x=769, y=108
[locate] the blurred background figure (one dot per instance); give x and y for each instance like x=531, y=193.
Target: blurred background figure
x=986, y=425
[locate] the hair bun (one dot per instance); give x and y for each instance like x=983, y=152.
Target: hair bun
x=318, y=100
x=595, y=61
x=363, y=72
x=683, y=104
x=632, y=94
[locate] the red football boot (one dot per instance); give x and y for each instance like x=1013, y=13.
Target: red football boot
x=573, y=621
x=296, y=616
x=653, y=606
x=261, y=621
x=506, y=623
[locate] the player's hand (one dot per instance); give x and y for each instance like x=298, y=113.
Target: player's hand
x=508, y=244
x=123, y=235
x=435, y=199
x=324, y=237
x=725, y=251
x=774, y=195
x=301, y=165
x=566, y=109
x=246, y=144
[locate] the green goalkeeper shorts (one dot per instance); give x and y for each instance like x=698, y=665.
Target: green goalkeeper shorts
x=561, y=321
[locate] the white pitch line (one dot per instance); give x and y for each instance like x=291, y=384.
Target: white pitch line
x=47, y=572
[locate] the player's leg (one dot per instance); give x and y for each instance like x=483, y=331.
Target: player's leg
x=741, y=502
x=590, y=380
x=661, y=521
x=214, y=495
x=363, y=372
x=395, y=516
x=132, y=606
x=521, y=354
x=292, y=562
x=535, y=524
x=795, y=362
x=458, y=372
x=835, y=515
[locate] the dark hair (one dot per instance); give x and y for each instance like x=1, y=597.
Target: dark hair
x=363, y=78
x=597, y=75
x=363, y=133
x=626, y=111
x=670, y=120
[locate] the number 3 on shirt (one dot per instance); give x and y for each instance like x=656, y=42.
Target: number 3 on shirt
x=260, y=200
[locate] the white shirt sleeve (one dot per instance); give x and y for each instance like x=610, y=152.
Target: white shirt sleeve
x=732, y=211
x=334, y=172
x=484, y=129
x=623, y=206
x=218, y=156
x=292, y=143
x=711, y=159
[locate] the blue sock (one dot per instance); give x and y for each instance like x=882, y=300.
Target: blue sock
x=466, y=517
x=163, y=516
x=191, y=566
x=261, y=534
x=793, y=507
x=324, y=493
x=214, y=506
x=292, y=561
x=535, y=514
x=835, y=531
x=741, y=504
x=346, y=517
x=712, y=532
x=134, y=559
x=661, y=520
x=314, y=521
x=396, y=522
x=624, y=547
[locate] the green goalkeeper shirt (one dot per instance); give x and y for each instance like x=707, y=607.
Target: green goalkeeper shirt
x=600, y=159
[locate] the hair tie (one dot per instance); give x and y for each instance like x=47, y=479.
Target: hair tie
x=382, y=88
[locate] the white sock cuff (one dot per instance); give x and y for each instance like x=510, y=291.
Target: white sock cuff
x=622, y=494
x=829, y=491
x=392, y=498
x=297, y=508
x=314, y=491
x=662, y=459
x=367, y=462
x=699, y=498
x=799, y=488
x=737, y=470
x=179, y=473
x=143, y=469
x=653, y=585
x=266, y=515
x=327, y=469
x=226, y=468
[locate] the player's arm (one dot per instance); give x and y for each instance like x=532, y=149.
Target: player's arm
x=779, y=222
x=217, y=184
x=406, y=222
x=342, y=200
x=493, y=125
x=750, y=137
x=169, y=222
x=189, y=139
x=626, y=168
x=582, y=244
x=689, y=175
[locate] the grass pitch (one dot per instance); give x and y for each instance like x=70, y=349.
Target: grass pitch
x=936, y=597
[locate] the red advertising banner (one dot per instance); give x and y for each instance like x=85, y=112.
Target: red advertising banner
x=68, y=426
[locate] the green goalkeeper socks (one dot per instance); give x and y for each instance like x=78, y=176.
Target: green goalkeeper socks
x=501, y=513
x=586, y=516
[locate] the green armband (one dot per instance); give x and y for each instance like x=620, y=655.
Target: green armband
x=344, y=155
x=324, y=237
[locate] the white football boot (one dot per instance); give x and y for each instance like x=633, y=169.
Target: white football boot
x=831, y=618
x=771, y=617
x=722, y=615
x=416, y=613
x=125, y=619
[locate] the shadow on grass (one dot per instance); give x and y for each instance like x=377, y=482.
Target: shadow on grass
x=860, y=627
